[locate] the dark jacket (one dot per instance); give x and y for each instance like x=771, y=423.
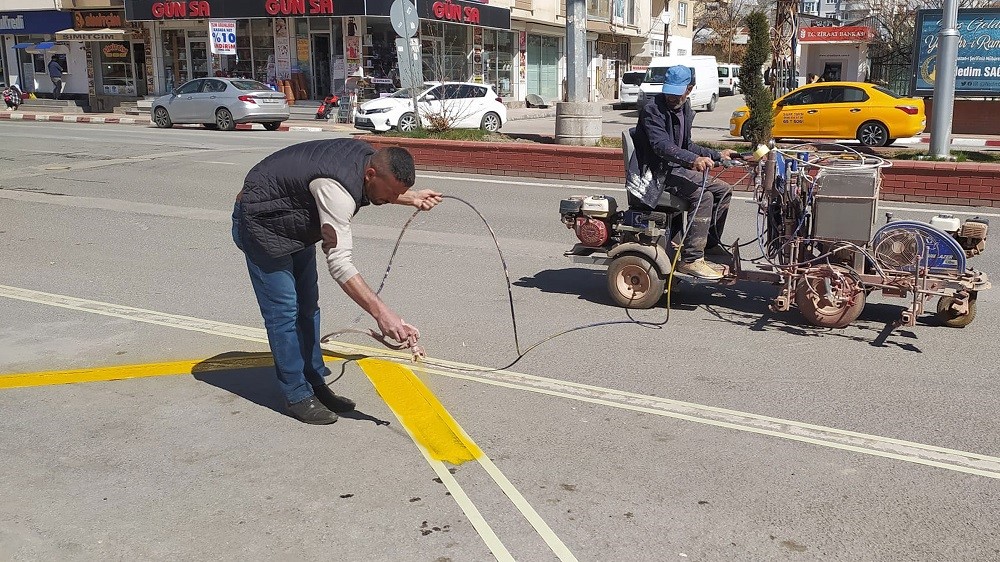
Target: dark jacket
x=55, y=69
x=657, y=139
x=279, y=214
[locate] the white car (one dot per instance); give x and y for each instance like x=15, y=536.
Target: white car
x=628, y=86
x=457, y=105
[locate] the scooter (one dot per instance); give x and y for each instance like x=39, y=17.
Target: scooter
x=326, y=108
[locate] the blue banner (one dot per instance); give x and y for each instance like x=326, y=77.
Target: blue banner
x=45, y=22
x=978, y=72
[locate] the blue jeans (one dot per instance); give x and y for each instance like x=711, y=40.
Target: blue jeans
x=287, y=290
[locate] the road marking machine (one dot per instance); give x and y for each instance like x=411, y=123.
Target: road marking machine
x=817, y=234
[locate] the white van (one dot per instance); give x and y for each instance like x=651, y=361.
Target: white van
x=706, y=76
x=729, y=79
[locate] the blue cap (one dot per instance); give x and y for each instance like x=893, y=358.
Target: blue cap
x=676, y=81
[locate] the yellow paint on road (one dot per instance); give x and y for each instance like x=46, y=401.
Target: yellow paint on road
x=121, y=372
x=420, y=411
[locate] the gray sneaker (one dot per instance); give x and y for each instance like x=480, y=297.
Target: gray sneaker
x=699, y=268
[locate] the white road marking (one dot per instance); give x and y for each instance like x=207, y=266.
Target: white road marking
x=259, y=335
x=897, y=449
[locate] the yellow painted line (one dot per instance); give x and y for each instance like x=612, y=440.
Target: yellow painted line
x=436, y=434
x=420, y=411
x=122, y=372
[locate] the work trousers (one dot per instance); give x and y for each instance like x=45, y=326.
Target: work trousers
x=710, y=220
x=287, y=290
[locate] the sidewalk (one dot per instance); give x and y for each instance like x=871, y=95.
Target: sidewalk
x=298, y=123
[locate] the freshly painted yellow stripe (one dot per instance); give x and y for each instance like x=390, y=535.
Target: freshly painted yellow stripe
x=420, y=411
x=120, y=372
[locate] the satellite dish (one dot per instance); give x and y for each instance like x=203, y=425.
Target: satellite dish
x=666, y=17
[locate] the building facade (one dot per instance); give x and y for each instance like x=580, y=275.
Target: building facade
x=118, y=50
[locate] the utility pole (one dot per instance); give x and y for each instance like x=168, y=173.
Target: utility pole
x=576, y=51
x=577, y=121
x=944, y=81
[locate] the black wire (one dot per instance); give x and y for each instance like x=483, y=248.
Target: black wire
x=510, y=294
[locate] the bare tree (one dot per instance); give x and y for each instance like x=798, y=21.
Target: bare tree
x=718, y=22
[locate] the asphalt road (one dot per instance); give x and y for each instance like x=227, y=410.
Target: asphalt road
x=731, y=433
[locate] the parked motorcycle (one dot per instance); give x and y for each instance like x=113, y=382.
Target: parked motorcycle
x=12, y=97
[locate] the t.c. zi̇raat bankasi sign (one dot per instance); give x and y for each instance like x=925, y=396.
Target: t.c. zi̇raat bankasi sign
x=978, y=68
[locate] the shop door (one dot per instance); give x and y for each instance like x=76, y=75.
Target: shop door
x=321, y=65
x=432, y=53
x=139, y=68
x=197, y=50
x=543, y=67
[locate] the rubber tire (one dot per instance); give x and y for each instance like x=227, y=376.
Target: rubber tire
x=272, y=125
x=644, y=273
x=407, y=122
x=873, y=131
x=948, y=317
x=224, y=120
x=743, y=132
x=711, y=105
x=491, y=122
x=828, y=316
x=162, y=118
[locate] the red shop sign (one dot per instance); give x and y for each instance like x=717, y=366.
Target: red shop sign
x=453, y=12
x=850, y=34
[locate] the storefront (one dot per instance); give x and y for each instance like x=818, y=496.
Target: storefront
x=321, y=47
x=27, y=45
x=834, y=53
x=117, y=65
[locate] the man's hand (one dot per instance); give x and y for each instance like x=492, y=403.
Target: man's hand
x=729, y=154
x=425, y=199
x=392, y=326
x=702, y=163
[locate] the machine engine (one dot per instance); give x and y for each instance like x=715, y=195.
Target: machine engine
x=971, y=235
x=591, y=217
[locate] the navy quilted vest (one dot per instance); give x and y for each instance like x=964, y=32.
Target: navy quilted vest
x=279, y=212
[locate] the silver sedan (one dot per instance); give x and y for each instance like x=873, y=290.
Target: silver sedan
x=221, y=103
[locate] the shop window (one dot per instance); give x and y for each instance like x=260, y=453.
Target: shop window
x=116, y=75
x=262, y=49
x=599, y=9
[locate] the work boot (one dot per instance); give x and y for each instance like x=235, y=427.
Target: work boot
x=332, y=401
x=700, y=269
x=312, y=411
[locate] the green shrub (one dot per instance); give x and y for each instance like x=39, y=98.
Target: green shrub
x=757, y=129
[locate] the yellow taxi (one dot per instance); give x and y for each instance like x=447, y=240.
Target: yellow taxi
x=872, y=114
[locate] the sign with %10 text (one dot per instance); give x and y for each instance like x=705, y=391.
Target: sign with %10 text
x=223, y=33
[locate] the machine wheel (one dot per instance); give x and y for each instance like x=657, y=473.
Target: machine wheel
x=873, y=133
x=162, y=118
x=811, y=298
x=224, y=119
x=272, y=125
x=711, y=104
x=952, y=319
x=744, y=133
x=407, y=122
x=491, y=122
x=635, y=282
